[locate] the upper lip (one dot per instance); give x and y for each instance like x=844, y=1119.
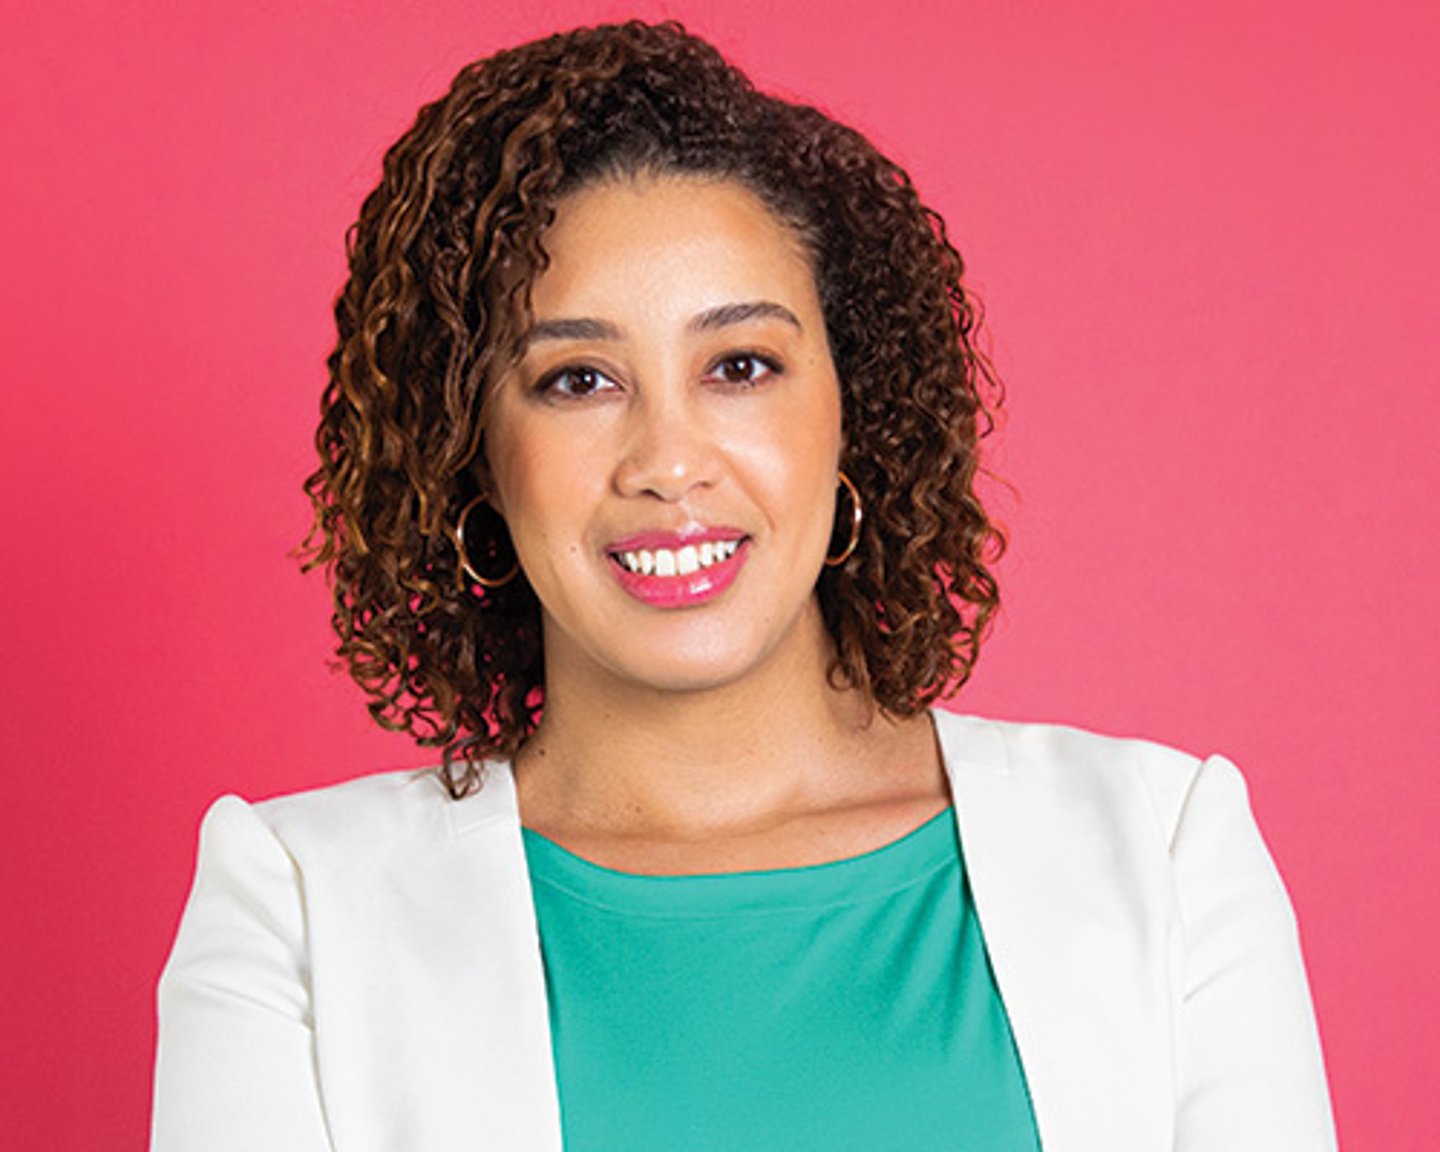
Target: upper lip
x=693, y=534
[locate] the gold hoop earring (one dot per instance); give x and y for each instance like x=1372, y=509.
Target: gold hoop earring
x=483, y=581
x=857, y=517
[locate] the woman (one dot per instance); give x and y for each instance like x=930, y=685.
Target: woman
x=647, y=492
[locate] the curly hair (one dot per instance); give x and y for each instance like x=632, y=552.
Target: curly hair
x=437, y=304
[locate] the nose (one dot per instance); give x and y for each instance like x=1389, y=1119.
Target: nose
x=668, y=449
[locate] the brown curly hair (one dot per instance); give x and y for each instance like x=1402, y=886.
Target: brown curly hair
x=437, y=304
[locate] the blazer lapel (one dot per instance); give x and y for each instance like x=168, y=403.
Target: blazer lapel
x=509, y=1017
x=1062, y=904
x=440, y=1020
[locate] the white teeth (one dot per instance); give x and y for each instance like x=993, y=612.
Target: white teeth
x=689, y=559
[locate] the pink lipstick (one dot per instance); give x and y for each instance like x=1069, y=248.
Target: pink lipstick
x=678, y=569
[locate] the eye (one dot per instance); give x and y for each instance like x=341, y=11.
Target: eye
x=575, y=381
x=743, y=368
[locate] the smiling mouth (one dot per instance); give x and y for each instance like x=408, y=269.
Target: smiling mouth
x=684, y=561
x=666, y=571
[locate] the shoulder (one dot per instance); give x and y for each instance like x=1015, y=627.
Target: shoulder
x=366, y=818
x=1081, y=770
x=262, y=869
x=1120, y=808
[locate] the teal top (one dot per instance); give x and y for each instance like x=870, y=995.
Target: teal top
x=843, y=1006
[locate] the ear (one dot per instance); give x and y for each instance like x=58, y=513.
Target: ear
x=479, y=470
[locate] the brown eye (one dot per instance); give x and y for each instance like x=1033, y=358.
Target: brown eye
x=576, y=381
x=743, y=368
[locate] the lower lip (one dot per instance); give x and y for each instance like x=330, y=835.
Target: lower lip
x=697, y=587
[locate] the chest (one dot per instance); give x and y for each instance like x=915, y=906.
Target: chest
x=849, y=1005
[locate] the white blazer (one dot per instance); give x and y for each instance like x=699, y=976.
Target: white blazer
x=358, y=967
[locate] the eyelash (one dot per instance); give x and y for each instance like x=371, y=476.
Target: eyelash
x=550, y=383
x=769, y=367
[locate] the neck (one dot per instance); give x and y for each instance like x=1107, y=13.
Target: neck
x=613, y=757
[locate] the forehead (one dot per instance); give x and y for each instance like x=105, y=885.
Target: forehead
x=701, y=237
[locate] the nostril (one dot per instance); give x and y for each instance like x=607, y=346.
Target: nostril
x=668, y=471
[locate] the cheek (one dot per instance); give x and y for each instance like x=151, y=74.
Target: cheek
x=521, y=453
x=543, y=485
x=792, y=469
x=811, y=437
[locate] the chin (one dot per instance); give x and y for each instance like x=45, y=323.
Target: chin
x=687, y=677
x=681, y=653
x=713, y=662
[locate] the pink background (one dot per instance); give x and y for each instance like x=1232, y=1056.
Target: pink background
x=1207, y=238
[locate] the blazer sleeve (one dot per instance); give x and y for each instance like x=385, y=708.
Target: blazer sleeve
x=236, y=1062
x=1249, y=1063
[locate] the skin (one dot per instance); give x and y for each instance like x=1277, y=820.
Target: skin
x=678, y=375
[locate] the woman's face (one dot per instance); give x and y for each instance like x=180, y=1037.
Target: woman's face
x=665, y=454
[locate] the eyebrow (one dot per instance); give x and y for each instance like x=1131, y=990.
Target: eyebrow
x=728, y=314
x=578, y=329
x=723, y=316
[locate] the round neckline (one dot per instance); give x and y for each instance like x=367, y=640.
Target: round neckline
x=869, y=875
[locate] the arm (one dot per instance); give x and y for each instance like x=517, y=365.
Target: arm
x=236, y=1064
x=1249, y=1065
